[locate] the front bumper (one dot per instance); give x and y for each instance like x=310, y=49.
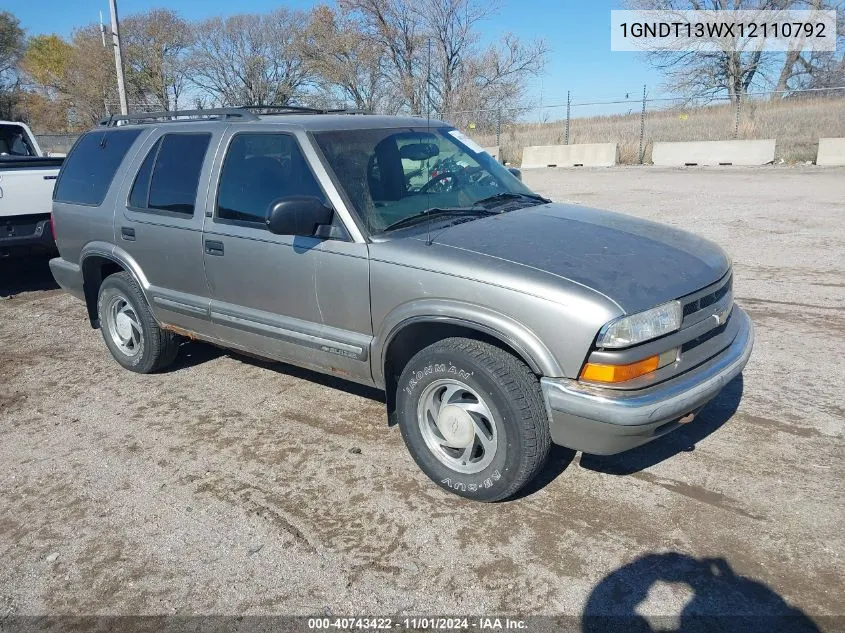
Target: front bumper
x=604, y=421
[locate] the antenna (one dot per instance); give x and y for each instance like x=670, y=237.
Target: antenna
x=428, y=129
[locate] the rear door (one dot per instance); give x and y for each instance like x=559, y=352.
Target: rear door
x=160, y=226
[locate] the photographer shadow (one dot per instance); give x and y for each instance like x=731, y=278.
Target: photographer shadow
x=721, y=600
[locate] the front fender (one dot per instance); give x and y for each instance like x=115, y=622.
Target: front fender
x=514, y=334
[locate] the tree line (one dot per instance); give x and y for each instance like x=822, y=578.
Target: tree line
x=388, y=56
x=707, y=76
x=377, y=55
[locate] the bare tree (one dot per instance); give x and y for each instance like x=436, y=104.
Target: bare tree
x=250, y=59
x=707, y=75
x=394, y=27
x=78, y=73
x=499, y=76
x=89, y=81
x=155, y=46
x=815, y=69
x=452, y=26
x=11, y=49
x=432, y=50
x=348, y=66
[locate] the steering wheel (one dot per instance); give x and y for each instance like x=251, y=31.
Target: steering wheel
x=479, y=176
x=439, y=178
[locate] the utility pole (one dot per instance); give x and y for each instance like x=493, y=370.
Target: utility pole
x=118, y=57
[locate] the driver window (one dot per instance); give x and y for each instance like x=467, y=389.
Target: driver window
x=260, y=168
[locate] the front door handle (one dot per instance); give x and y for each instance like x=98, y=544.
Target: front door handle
x=214, y=247
x=127, y=233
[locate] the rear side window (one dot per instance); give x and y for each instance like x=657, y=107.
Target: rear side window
x=90, y=167
x=169, y=176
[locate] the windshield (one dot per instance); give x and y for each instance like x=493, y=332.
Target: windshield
x=393, y=174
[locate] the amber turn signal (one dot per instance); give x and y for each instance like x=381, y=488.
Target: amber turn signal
x=619, y=373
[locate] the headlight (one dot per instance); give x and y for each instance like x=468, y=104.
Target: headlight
x=643, y=326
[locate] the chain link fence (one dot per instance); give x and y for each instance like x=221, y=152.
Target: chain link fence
x=796, y=119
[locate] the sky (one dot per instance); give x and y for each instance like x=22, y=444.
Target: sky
x=578, y=32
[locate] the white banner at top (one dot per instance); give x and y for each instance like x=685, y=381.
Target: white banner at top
x=726, y=30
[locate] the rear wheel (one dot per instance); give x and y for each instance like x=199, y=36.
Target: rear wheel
x=131, y=333
x=472, y=417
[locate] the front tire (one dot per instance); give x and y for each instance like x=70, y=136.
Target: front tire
x=473, y=418
x=129, y=329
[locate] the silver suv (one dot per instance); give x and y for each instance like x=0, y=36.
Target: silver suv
x=395, y=252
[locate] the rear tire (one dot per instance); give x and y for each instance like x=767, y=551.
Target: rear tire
x=132, y=335
x=473, y=418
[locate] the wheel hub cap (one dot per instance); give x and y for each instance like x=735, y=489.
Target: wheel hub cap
x=456, y=426
x=123, y=325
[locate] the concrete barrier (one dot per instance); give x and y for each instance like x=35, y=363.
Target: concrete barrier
x=758, y=152
x=493, y=151
x=581, y=155
x=831, y=152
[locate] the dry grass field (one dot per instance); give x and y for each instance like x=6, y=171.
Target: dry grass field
x=797, y=124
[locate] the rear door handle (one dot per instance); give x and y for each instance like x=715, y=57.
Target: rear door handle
x=214, y=247
x=127, y=233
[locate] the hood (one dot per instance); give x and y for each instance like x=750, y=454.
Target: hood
x=636, y=263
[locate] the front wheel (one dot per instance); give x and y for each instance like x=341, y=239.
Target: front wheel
x=472, y=417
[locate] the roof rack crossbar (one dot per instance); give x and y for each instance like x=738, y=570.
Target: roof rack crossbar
x=179, y=116
x=291, y=109
x=284, y=108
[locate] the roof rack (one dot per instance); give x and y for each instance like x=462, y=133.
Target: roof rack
x=291, y=109
x=177, y=116
x=243, y=113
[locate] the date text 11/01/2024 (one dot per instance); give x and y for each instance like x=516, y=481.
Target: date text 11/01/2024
x=418, y=623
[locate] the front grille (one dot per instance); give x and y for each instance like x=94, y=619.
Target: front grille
x=703, y=338
x=709, y=299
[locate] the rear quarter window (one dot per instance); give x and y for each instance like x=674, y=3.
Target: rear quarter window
x=168, y=179
x=90, y=167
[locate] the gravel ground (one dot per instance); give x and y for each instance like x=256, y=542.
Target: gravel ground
x=233, y=486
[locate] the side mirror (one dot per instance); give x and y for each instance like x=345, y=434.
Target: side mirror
x=516, y=172
x=297, y=215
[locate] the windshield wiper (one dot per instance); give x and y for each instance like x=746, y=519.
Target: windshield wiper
x=507, y=196
x=438, y=211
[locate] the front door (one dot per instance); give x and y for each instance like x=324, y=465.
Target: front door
x=299, y=299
